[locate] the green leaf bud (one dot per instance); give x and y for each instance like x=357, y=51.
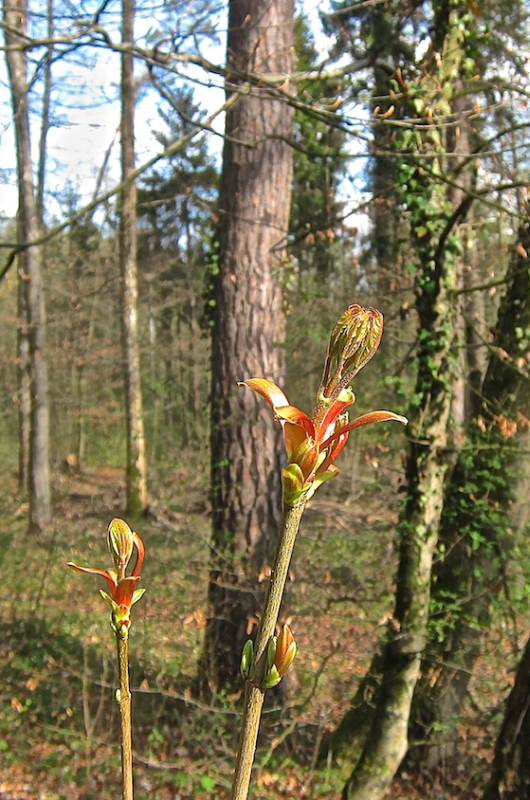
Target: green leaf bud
x=246, y=658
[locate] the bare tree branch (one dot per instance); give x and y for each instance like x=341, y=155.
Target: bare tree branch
x=166, y=153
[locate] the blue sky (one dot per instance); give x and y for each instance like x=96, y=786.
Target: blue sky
x=87, y=122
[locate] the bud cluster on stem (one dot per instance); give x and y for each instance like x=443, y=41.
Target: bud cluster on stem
x=312, y=444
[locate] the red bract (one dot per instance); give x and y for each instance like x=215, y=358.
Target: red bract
x=313, y=442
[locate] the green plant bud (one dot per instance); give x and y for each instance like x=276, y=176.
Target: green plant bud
x=120, y=539
x=353, y=342
x=293, y=484
x=120, y=625
x=246, y=658
x=271, y=651
x=272, y=678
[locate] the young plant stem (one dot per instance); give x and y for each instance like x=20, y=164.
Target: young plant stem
x=254, y=695
x=124, y=702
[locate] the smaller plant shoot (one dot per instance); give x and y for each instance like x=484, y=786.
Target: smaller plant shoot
x=121, y=596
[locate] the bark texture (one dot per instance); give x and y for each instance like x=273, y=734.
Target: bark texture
x=474, y=531
x=436, y=213
x=31, y=271
x=136, y=473
x=427, y=465
x=510, y=772
x=248, y=332
x=23, y=379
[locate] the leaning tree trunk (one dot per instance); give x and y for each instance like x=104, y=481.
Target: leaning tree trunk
x=248, y=331
x=31, y=264
x=510, y=771
x=474, y=533
x=434, y=220
x=136, y=480
x=427, y=465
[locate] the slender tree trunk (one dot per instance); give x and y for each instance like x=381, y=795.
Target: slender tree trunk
x=24, y=379
x=32, y=267
x=45, y=114
x=248, y=333
x=196, y=403
x=136, y=475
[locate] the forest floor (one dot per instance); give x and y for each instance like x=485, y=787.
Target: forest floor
x=58, y=717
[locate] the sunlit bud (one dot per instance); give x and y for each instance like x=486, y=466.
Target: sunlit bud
x=271, y=651
x=272, y=678
x=313, y=443
x=285, y=650
x=120, y=540
x=354, y=340
x=120, y=616
x=359, y=333
x=122, y=593
x=246, y=658
x=281, y=652
x=293, y=484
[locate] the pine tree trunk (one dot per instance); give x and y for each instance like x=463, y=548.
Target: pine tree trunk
x=247, y=334
x=136, y=472
x=32, y=267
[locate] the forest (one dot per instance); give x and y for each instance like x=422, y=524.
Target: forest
x=275, y=197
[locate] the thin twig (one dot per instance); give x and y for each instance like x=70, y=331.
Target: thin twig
x=254, y=694
x=124, y=702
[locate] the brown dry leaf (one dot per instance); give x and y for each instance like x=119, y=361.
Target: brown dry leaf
x=267, y=779
x=16, y=704
x=199, y=618
x=507, y=427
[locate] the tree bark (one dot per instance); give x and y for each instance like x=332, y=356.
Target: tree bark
x=247, y=335
x=427, y=465
x=474, y=524
x=431, y=209
x=510, y=772
x=31, y=266
x=45, y=114
x=24, y=378
x=136, y=471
